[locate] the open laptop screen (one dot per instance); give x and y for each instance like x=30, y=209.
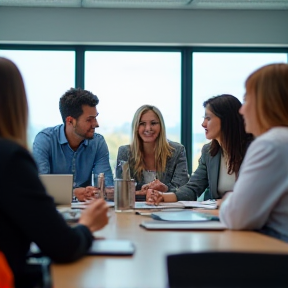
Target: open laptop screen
x=59, y=186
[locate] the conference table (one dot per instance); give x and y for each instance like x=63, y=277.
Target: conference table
x=147, y=267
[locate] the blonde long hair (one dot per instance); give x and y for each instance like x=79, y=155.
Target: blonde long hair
x=269, y=85
x=162, y=148
x=13, y=103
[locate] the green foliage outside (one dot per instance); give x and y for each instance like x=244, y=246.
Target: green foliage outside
x=114, y=141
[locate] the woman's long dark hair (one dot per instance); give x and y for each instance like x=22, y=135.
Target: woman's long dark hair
x=234, y=139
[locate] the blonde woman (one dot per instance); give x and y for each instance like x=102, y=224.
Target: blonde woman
x=155, y=161
x=30, y=215
x=260, y=197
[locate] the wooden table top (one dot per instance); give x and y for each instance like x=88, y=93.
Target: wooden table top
x=147, y=267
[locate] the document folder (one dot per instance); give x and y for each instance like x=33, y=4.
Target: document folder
x=183, y=216
x=173, y=225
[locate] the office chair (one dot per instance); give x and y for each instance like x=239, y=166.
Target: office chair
x=227, y=269
x=6, y=274
x=36, y=273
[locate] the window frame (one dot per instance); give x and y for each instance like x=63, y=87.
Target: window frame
x=186, y=117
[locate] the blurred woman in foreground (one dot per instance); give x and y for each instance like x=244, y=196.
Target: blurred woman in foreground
x=27, y=213
x=260, y=197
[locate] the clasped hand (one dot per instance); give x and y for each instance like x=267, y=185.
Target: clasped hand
x=154, y=197
x=156, y=184
x=84, y=194
x=153, y=192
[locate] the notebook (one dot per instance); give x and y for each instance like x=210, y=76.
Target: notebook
x=59, y=186
x=183, y=216
x=174, y=225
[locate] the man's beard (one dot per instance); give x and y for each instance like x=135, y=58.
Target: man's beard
x=83, y=135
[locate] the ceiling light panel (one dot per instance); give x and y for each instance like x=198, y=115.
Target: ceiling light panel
x=240, y=4
x=135, y=3
x=41, y=3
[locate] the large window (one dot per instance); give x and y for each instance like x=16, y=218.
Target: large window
x=47, y=75
x=124, y=81
x=124, y=78
x=219, y=73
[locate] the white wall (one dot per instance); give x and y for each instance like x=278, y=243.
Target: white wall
x=131, y=26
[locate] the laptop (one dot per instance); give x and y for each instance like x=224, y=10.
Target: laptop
x=59, y=186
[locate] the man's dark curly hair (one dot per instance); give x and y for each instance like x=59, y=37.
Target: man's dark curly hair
x=70, y=104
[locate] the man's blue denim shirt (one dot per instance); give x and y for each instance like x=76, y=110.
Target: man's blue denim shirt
x=53, y=155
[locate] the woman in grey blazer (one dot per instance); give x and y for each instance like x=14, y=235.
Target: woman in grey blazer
x=153, y=160
x=221, y=159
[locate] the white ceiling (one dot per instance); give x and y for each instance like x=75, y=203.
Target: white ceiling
x=164, y=4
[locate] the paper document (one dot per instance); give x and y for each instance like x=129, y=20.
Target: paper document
x=79, y=205
x=70, y=215
x=83, y=205
x=162, y=205
x=208, y=204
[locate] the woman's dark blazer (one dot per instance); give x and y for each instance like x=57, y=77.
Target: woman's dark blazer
x=205, y=178
x=175, y=174
x=28, y=214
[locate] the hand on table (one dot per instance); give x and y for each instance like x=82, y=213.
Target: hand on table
x=95, y=215
x=143, y=190
x=154, y=197
x=156, y=184
x=86, y=193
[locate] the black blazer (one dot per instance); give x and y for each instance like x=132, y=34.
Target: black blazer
x=28, y=214
x=205, y=178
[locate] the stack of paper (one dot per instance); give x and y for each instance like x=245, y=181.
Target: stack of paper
x=208, y=204
x=162, y=205
x=83, y=205
x=183, y=220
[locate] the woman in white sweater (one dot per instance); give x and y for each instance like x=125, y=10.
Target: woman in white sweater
x=259, y=200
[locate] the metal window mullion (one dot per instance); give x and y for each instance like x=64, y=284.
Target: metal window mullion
x=80, y=67
x=186, y=104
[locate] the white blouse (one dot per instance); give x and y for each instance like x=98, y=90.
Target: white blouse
x=149, y=176
x=260, y=195
x=225, y=181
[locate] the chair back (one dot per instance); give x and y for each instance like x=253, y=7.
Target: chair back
x=6, y=274
x=227, y=269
